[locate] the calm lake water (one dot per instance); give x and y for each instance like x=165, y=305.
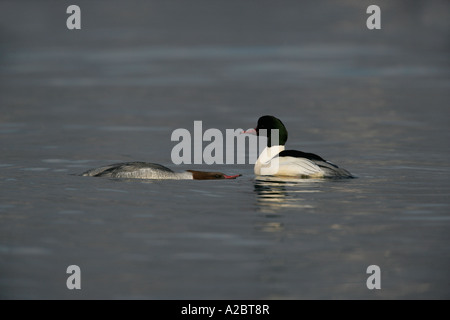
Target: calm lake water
x=376, y=102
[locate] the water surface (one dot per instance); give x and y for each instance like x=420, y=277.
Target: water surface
x=374, y=102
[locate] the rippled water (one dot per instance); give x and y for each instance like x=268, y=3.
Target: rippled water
x=374, y=103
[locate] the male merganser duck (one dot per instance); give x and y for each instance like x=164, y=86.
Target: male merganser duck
x=276, y=161
x=145, y=170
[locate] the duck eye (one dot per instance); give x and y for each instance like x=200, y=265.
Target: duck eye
x=218, y=176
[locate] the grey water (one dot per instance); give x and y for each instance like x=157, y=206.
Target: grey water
x=375, y=102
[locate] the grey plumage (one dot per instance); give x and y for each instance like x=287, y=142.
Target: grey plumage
x=136, y=169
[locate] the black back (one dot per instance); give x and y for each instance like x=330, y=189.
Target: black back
x=309, y=156
x=300, y=154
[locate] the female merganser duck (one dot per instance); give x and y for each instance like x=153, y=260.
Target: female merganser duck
x=276, y=161
x=145, y=170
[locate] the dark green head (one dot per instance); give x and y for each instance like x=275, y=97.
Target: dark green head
x=268, y=123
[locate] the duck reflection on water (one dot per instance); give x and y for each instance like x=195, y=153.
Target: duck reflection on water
x=275, y=193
